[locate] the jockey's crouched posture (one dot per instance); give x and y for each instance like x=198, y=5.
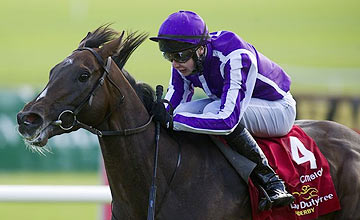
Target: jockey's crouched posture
x=246, y=91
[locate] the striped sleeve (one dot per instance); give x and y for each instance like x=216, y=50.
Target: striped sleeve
x=239, y=70
x=180, y=89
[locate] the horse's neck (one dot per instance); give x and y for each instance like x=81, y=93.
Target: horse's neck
x=128, y=171
x=128, y=159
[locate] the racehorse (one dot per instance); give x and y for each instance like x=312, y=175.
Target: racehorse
x=90, y=89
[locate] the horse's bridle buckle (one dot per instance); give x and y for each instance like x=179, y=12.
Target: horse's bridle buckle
x=60, y=121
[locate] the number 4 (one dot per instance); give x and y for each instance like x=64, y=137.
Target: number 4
x=296, y=146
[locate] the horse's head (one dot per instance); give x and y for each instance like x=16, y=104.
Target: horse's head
x=78, y=87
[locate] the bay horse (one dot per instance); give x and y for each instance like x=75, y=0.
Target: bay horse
x=90, y=89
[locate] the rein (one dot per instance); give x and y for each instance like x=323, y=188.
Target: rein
x=89, y=99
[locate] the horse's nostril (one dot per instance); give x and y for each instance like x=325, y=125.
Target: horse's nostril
x=30, y=119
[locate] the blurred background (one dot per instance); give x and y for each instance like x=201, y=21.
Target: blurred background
x=316, y=42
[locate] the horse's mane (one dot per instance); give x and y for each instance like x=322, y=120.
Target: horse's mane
x=104, y=34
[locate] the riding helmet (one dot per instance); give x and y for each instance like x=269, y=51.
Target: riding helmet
x=180, y=31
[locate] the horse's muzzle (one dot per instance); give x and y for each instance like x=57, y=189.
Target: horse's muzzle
x=29, y=123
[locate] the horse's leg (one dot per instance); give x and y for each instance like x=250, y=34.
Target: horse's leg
x=341, y=146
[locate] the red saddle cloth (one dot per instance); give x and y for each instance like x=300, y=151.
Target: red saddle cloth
x=299, y=162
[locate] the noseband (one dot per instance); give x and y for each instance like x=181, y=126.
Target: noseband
x=89, y=99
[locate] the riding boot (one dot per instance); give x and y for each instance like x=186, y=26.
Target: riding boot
x=242, y=141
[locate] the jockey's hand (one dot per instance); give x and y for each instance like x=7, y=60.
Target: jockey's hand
x=161, y=115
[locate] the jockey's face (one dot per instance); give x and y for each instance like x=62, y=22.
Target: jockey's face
x=184, y=68
x=187, y=67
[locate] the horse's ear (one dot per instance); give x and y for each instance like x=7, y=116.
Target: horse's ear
x=83, y=41
x=111, y=47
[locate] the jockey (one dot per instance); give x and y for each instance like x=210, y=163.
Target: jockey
x=247, y=93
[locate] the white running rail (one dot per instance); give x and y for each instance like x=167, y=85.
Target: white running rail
x=55, y=193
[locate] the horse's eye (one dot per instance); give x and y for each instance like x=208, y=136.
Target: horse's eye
x=83, y=77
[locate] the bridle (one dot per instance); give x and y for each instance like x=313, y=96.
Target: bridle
x=88, y=100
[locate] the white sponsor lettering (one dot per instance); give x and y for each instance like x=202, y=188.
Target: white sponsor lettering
x=311, y=177
x=312, y=202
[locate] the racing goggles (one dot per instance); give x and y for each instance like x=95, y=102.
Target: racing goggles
x=180, y=57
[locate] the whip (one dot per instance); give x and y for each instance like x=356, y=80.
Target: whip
x=152, y=196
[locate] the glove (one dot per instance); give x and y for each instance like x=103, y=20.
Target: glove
x=161, y=115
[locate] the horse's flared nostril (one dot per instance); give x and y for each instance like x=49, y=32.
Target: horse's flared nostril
x=29, y=119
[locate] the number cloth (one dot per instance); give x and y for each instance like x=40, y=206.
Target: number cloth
x=299, y=162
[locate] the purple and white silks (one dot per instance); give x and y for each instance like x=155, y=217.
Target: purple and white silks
x=234, y=72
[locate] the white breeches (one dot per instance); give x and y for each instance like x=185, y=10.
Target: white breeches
x=261, y=117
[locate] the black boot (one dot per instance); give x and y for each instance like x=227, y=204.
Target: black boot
x=242, y=141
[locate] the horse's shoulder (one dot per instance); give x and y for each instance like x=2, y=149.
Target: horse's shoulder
x=189, y=138
x=204, y=169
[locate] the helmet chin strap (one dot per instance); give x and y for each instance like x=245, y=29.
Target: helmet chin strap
x=199, y=59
